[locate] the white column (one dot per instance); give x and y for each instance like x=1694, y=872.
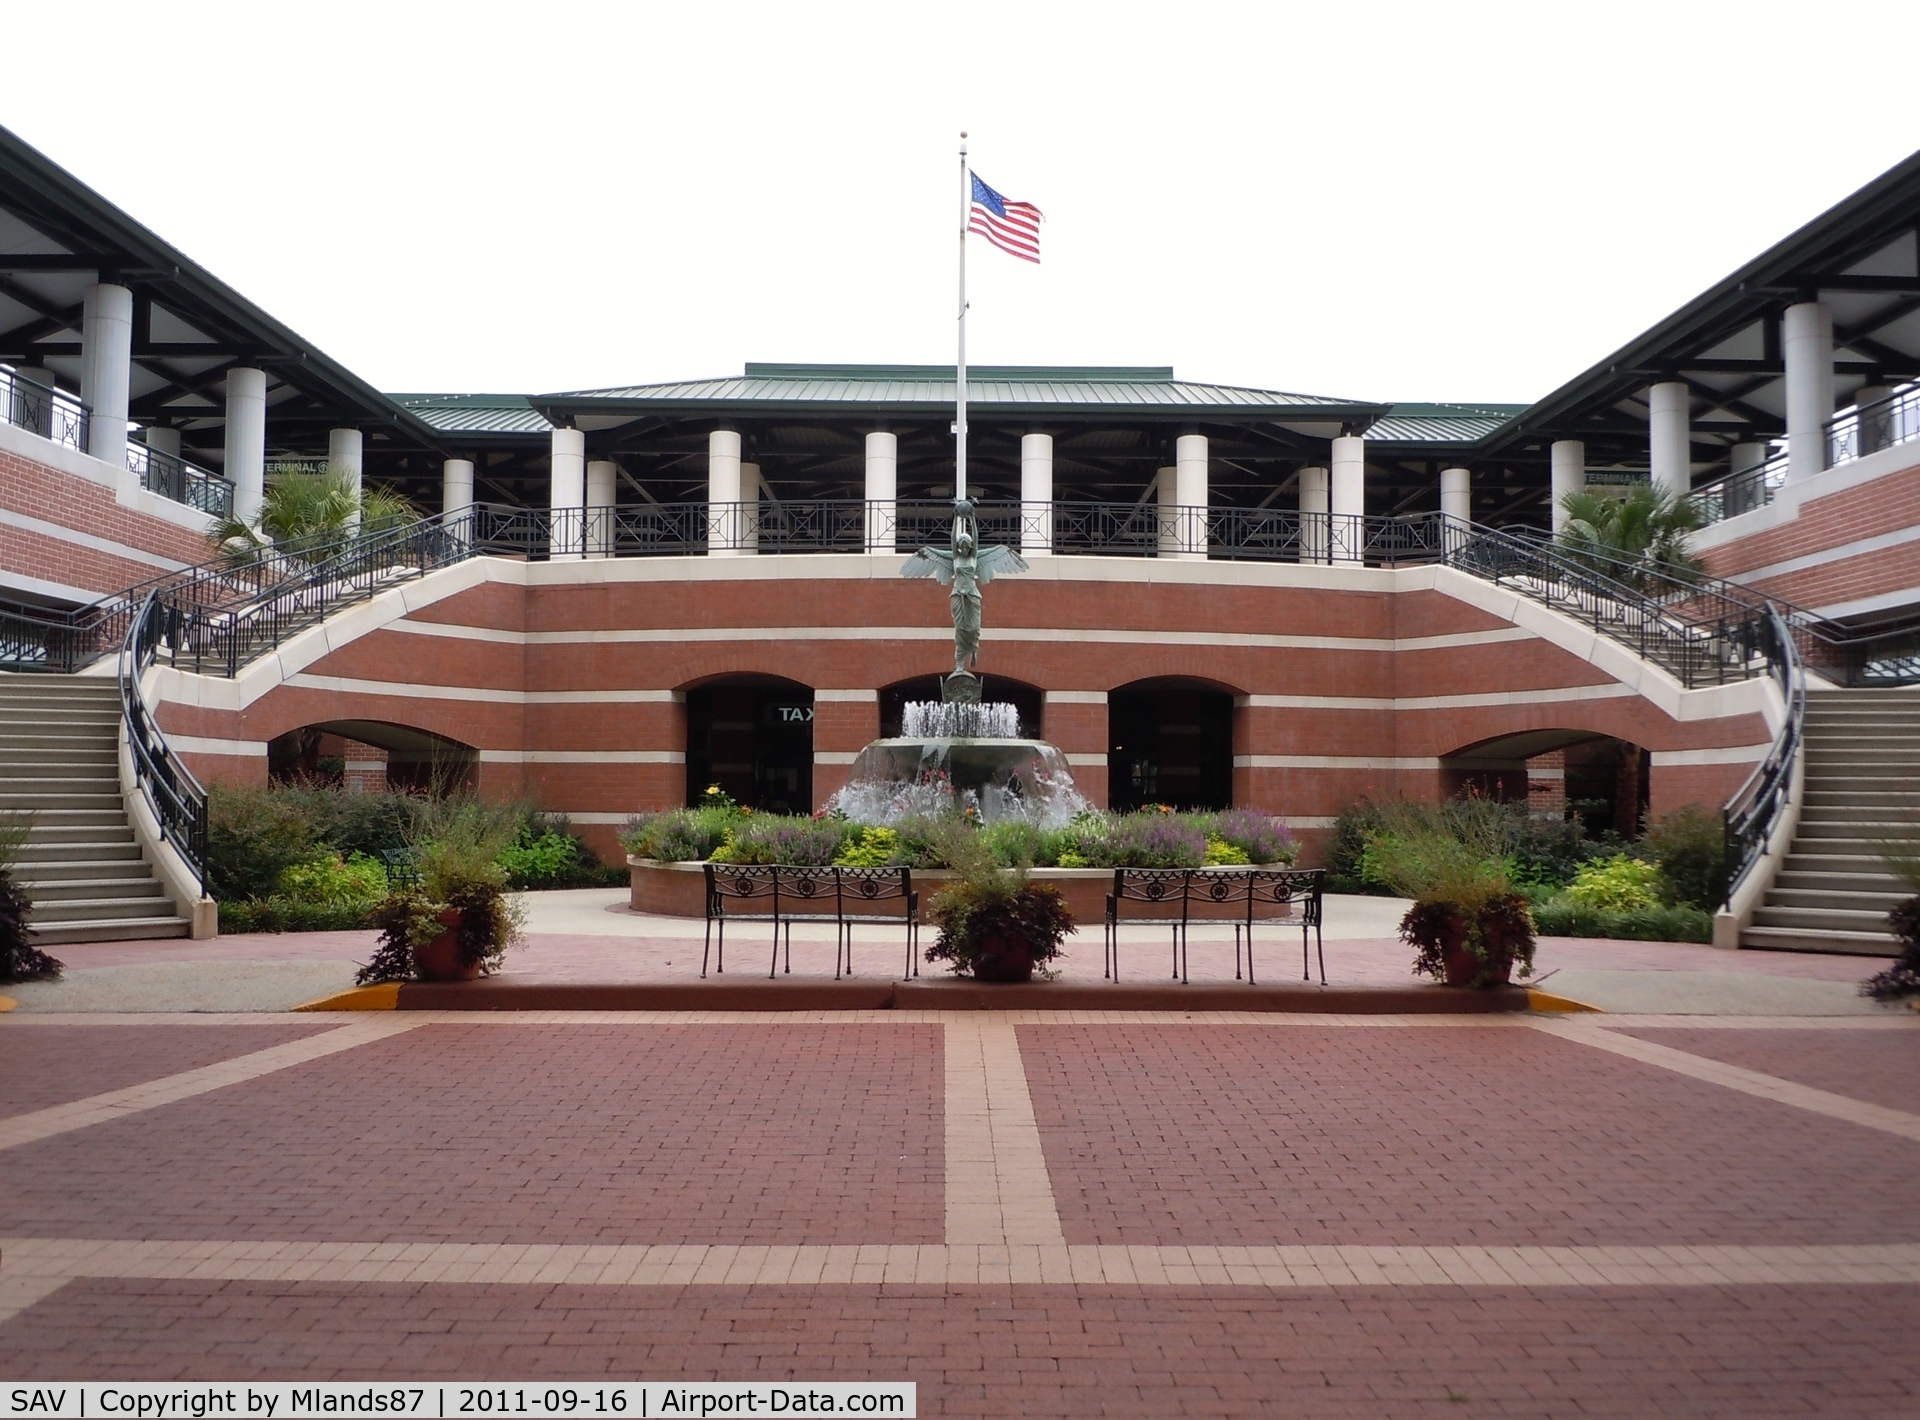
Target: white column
x=1569, y=464
x=163, y=440
x=1806, y=338
x=1313, y=514
x=1167, y=505
x=882, y=488
x=456, y=485
x=246, y=467
x=566, y=493
x=345, y=451
x=1190, y=490
x=752, y=489
x=1748, y=494
x=1347, y=496
x=1670, y=437
x=601, y=479
x=1036, y=494
x=1875, y=426
x=106, y=369
x=723, y=491
x=1456, y=495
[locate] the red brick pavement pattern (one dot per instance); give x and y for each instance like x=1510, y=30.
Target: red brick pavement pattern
x=1880, y=1067
x=1035, y=1352
x=1231, y=1134
x=46, y=1064
x=581, y=1134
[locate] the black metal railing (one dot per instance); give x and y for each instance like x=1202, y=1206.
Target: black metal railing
x=175, y=797
x=1740, y=492
x=40, y=409
x=1753, y=812
x=1869, y=428
x=173, y=477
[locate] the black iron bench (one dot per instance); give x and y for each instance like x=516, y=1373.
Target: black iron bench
x=1252, y=894
x=740, y=892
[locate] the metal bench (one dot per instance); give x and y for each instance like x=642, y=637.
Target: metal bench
x=1255, y=894
x=742, y=892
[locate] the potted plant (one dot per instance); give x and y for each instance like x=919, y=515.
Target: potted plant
x=993, y=923
x=456, y=921
x=1467, y=925
x=19, y=959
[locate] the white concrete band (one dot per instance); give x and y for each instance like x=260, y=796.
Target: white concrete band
x=1670, y=437
x=723, y=490
x=246, y=463
x=1347, y=492
x=882, y=487
x=456, y=485
x=567, y=493
x=106, y=369
x=1806, y=338
x=1313, y=515
x=1456, y=495
x=1190, y=493
x=1569, y=473
x=1036, y=494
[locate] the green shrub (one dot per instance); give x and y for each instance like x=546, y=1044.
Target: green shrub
x=678, y=835
x=254, y=834
x=1015, y=842
x=1222, y=854
x=1690, y=845
x=283, y=914
x=1561, y=917
x=1616, y=884
x=333, y=882
x=870, y=848
x=544, y=860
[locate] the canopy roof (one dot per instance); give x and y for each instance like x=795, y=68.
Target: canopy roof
x=58, y=236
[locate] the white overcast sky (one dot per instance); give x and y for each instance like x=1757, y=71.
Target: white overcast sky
x=1435, y=201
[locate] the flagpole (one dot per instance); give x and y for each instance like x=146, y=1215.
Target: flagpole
x=960, y=364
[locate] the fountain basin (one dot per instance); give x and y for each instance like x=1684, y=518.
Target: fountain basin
x=1000, y=778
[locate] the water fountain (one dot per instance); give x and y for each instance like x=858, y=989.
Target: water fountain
x=961, y=752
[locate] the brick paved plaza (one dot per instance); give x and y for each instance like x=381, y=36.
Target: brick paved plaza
x=1034, y=1214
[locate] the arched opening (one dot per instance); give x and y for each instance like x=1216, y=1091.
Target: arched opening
x=1029, y=700
x=1170, y=741
x=371, y=757
x=753, y=736
x=1603, y=781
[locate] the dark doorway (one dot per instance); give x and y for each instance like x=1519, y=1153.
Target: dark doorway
x=1027, y=699
x=1607, y=786
x=1170, y=742
x=416, y=761
x=753, y=736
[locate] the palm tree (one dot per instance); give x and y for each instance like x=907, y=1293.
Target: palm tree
x=316, y=515
x=1639, y=535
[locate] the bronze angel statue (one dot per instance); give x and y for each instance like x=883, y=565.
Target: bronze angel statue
x=967, y=568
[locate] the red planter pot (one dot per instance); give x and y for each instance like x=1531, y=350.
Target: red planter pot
x=439, y=960
x=1464, y=968
x=1003, y=959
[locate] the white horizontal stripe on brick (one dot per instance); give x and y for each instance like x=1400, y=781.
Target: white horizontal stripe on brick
x=92, y=541
x=1088, y=760
x=855, y=696
x=835, y=756
x=1332, y=761
x=594, y=818
x=1737, y=754
x=582, y=756
x=1604, y=690
x=1076, y=697
x=197, y=744
x=1286, y=1267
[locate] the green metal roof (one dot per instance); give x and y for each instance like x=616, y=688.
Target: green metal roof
x=1022, y=389
x=1440, y=423
x=474, y=413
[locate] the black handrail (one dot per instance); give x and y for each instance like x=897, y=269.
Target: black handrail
x=1755, y=808
x=176, y=798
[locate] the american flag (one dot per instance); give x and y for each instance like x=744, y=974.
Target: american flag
x=1014, y=227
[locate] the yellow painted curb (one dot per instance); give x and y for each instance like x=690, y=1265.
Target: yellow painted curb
x=7, y=1003
x=1547, y=1001
x=385, y=997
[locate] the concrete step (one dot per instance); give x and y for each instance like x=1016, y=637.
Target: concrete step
x=46, y=820
x=15, y=802
x=56, y=911
x=63, y=740
x=1792, y=939
x=1826, y=798
x=1820, y=919
x=118, y=929
x=46, y=836
x=1823, y=899
x=41, y=890
x=59, y=870
x=1816, y=880
x=1874, y=820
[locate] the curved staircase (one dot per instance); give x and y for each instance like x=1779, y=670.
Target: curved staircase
x=80, y=866
x=1862, y=754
